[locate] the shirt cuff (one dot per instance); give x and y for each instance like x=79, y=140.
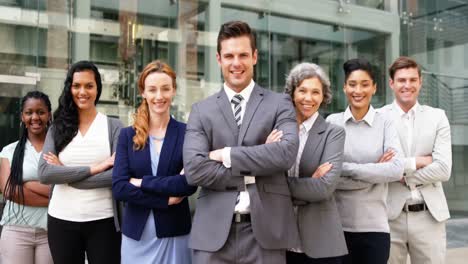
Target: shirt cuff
x=413, y=163
x=227, y=157
x=410, y=164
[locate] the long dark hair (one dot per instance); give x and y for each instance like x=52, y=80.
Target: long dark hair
x=14, y=184
x=66, y=119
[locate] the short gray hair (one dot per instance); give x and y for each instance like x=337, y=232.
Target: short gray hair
x=305, y=71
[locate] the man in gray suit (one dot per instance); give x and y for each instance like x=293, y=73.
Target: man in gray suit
x=417, y=208
x=244, y=210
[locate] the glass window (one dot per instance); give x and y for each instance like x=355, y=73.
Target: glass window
x=377, y=4
x=442, y=24
x=121, y=37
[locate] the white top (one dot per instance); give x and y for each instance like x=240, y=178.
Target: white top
x=304, y=129
x=407, y=119
x=79, y=205
x=30, y=216
x=243, y=206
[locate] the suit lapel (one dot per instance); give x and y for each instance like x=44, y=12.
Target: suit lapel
x=225, y=108
x=169, y=144
x=255, y=98
x=316, y=136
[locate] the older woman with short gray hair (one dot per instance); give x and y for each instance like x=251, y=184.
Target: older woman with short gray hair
x=304, y=71
x=314, y=175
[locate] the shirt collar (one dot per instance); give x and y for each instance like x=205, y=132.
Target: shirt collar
x=368, y=118
x=246, y=92
x=309, y=122
x=410, y=112
x=29, y=146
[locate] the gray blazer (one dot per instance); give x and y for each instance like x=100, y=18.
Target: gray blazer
x=431, y=136
x=76, y=176
x=319, y=222
x=212, y=126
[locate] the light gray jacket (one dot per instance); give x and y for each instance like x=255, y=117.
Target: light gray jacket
x=431, y=136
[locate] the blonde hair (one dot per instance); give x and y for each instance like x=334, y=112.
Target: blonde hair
x=141, y=117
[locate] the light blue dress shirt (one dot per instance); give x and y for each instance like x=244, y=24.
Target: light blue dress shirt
x=150, y=248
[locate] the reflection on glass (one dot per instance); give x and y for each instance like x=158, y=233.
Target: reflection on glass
x=377, y=4
x=437, y=38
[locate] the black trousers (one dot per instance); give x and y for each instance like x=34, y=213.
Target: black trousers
x=68, y=241
x=367, y=248
x=302, y=258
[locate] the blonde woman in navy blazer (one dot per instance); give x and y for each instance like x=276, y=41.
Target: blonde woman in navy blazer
x=148, y=176
x=313, y=177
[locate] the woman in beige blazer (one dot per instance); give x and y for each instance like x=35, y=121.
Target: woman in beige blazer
x=317, y=169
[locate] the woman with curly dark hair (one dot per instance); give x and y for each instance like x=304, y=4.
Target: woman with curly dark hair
x=24, y=236
x=78, y=159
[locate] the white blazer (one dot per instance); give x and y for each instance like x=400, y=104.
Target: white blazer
x=431, y=136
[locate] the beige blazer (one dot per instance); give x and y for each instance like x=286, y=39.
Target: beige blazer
x=431, y=136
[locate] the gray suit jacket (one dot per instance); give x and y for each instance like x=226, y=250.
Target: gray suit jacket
x=431, y=136
x=319, y=222
x=212, y=126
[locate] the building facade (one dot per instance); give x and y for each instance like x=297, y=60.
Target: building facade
x=41, y=38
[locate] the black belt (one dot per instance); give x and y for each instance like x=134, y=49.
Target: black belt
x=240, y=218
x=415, y=207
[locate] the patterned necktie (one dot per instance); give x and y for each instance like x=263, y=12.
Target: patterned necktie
x=236, y=101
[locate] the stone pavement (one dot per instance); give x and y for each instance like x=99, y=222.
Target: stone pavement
x=457, y=240
x=457, y=255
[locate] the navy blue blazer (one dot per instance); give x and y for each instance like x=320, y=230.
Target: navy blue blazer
x=173, y=220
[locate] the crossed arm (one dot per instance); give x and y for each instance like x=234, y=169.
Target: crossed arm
x=150, y=192
x=51, y=171
x=437, y=167
x=263, y=159
x=318, y=186
x=35, y=193
x=388, y=168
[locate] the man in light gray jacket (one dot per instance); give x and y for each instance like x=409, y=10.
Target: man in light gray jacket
x=417, y=207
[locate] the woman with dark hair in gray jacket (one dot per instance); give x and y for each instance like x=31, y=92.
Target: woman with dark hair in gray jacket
x=77, y=159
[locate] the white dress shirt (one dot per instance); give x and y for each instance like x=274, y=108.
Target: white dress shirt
x=304, y=129
x=407, y=119
x=243, y=206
